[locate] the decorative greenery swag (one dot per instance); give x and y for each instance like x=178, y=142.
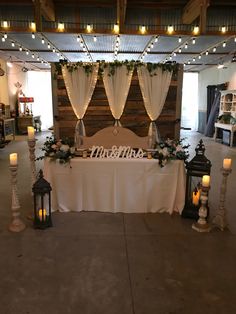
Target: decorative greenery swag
x=130, y=65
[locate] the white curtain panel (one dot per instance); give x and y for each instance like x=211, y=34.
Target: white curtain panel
x=117, y=88
x=154, y=89
x=80, y=86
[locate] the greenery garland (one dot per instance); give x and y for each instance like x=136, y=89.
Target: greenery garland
x=130, y=65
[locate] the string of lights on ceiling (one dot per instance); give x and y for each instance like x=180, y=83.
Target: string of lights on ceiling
x=15, y=44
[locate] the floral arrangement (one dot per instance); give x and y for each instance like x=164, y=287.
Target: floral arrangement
x=171, y=150
x=57, y=149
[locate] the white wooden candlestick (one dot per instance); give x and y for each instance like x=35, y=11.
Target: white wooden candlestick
x=220, y=220
x=31, y=145
x=202, y=225
x=17, y=224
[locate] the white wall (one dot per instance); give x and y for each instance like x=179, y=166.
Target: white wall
x=40, y=87
x=215, y=76
x=15, y=75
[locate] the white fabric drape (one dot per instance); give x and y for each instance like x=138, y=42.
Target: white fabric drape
x=154, y=88
x=80, y=86
x=117, y=88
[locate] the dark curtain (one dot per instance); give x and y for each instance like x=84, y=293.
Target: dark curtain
x=213, y=104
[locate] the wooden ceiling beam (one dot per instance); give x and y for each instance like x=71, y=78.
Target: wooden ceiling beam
x=196, y=9
x=48, y=10
x=121, y=13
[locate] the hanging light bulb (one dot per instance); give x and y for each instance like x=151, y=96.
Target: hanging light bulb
x=152, y=45
x=53, y=50
x=156, y=39
x=5, y=35
x=199, y=57
x=49, y=46
x=206, y=53
x=194, y=41
x=12, y=44
x=78, y=38
x=180, y=39
x=214, y=49
x=180, y=50
x=224, y=44
x=94, y=38
x=9, y=63
x=3, y=39
x=32, y=55
x=20, y=48
x=43, y=41
x=27, y=52
x=33, y=35
x=186, y=46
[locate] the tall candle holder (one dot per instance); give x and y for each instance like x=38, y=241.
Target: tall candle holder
x=31, y=145
x=17, y=224
x=202, y=225
x=220, y=220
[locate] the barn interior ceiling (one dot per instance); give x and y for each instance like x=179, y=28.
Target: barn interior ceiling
x=197, y=33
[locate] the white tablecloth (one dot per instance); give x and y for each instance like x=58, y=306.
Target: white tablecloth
x=116, y=185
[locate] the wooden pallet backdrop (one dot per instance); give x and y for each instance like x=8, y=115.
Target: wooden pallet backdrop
x=98, y=114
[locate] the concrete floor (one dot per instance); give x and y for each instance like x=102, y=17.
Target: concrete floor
x=99, y=263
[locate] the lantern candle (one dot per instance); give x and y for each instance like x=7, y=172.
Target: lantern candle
x=227, y=163
x=196, y=197
x=13, y=159
x=30, y=132
x=206, y=181
x=42, y=214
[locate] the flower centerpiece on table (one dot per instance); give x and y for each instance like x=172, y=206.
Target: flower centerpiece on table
x=171, y=150
x=61, y=150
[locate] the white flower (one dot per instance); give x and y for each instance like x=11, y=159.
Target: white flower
x=165, y=152
x=64, y=148
x=179, y=148
x=72, y=150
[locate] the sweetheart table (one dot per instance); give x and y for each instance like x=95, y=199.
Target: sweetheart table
x=116, y=185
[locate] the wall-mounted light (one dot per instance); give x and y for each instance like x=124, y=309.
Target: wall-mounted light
x=89, y=28
x=196, y=29
x=143, y=29
x=223, y=29
x=170, y=29
x=61, y=27
x=32, y=26
x=5, y=24
x=116, y=28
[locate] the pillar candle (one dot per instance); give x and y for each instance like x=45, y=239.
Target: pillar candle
x=30, y=132
x=13, y=159
x=227, y=163
x=42, y=214
x=206, y=181
x=196, y=197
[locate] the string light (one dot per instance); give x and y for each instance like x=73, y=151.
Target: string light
x=5, y=35
x=224, y=44
x=33, y=35
x=186, y=46
x=156, y=39
x=43, y=41
x=193, y=41
x=206, y=53
x=214, y=49
x=180, y=39
x=3, y=39
x=12, y=44
x=94, y=38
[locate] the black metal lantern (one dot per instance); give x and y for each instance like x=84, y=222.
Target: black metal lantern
x=196, y=169
x=42, y=202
